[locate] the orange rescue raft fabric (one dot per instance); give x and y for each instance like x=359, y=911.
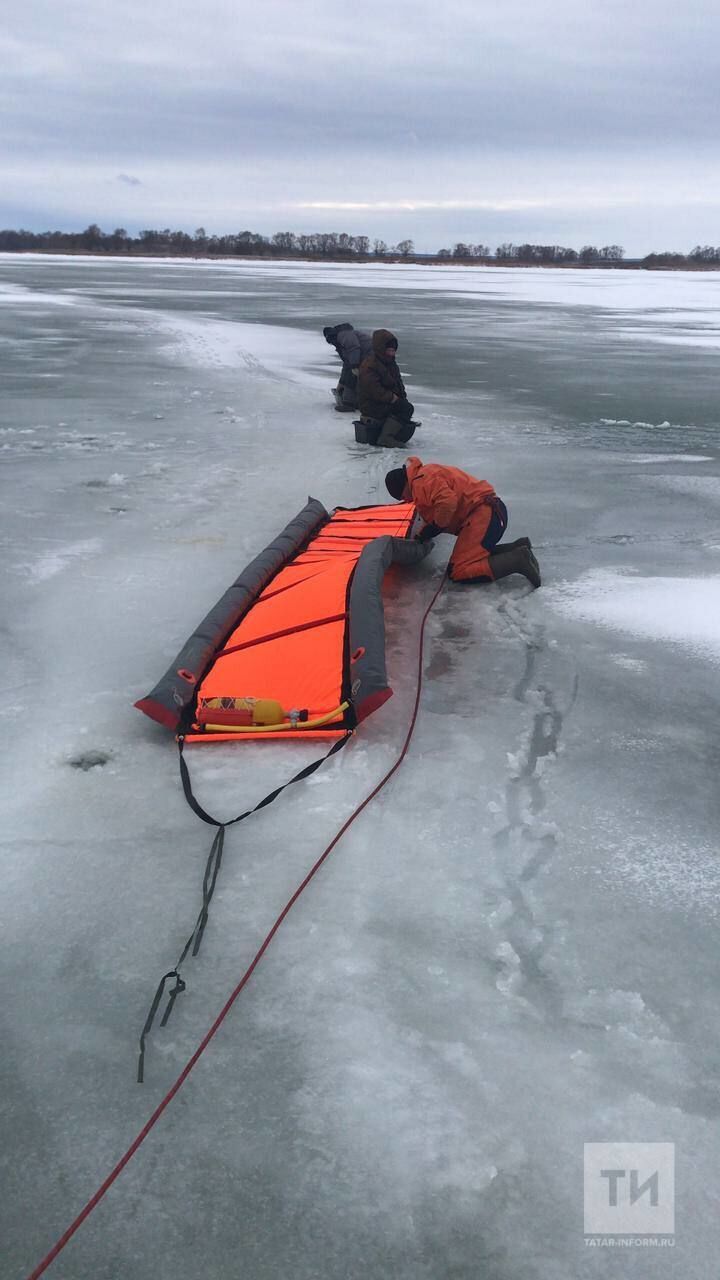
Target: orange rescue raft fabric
x=291, y=645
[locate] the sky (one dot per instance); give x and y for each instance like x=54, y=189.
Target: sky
x=566, y=122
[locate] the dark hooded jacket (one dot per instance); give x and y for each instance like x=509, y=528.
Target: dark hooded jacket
x=352, y=345
x=379, y=378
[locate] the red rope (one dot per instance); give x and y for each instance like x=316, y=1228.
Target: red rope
x=115, y=1173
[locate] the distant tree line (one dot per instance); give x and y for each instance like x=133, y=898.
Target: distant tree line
x=332, y=245
x=550, y=253
x=465, y=251
x=326, y=244
x=701, y=255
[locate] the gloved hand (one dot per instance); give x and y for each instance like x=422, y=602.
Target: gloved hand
x=428, y=532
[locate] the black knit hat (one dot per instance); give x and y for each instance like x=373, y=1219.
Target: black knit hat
x=395, y=482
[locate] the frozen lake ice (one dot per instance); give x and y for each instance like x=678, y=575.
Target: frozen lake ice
x=513, y=951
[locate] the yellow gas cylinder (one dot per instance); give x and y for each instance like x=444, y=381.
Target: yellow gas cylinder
x=244, y=711
x=264, y=710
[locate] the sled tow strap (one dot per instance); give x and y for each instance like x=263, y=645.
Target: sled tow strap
x=212, y=870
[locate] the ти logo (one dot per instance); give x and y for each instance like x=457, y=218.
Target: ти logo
x=629, y=1188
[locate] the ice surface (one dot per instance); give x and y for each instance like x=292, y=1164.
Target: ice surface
x=514, y=950
x=684, y=611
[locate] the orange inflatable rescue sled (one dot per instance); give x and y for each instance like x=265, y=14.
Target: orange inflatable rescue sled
x=296, y=646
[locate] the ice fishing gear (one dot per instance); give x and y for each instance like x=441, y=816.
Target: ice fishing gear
x=386, y=433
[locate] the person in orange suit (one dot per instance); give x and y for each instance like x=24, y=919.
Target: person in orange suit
x=452, y=501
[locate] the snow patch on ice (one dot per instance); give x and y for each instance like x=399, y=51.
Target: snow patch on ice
x=698, y=486
x=260, y=349
x=705, y=337
x=630, y=664
x=683, y=611
x=53, y=562
x=649, y=426
x=670, y=872
x=647, y=458
x=17, y=295
x=620, y=1009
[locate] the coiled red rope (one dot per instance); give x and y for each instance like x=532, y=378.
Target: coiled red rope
x=67, y=1235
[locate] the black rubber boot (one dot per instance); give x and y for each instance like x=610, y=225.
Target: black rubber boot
x=345, y=400
x=501, y=547
x=521, y=561
x=395, y=433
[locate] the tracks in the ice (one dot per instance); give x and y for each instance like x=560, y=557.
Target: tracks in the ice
x=526, y=842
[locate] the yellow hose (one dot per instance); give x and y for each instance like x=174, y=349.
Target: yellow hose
x=275, y=728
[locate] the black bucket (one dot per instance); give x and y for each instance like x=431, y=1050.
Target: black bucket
x=367, y=432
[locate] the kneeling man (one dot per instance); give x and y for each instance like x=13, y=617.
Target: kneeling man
x=452, y=501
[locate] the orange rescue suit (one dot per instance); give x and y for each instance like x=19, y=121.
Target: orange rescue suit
x=458, y=503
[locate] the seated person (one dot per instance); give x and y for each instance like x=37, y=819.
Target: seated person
x=451, y=501
x=352, y=346
x=381, y=391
